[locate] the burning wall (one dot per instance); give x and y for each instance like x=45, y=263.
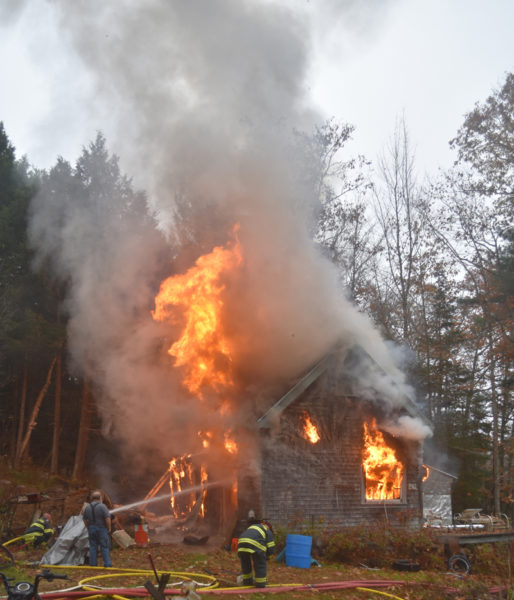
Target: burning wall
x=348, y=473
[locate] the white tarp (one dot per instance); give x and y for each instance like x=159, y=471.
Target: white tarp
x=72, y=545
x=437, y=509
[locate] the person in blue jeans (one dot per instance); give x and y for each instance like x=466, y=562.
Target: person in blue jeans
x=97, y=519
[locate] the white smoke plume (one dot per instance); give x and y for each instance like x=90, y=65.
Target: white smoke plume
x=407, y=427
x=200, y=101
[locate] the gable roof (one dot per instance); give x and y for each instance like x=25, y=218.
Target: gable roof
x=353, y=355
x=273, y=413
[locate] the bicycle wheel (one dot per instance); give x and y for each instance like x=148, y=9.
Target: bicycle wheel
x=6, y=558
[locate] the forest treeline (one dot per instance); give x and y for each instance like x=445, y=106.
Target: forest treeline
x=431, y=262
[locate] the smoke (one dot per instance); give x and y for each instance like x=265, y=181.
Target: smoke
x=409, y=428
x=201, y=101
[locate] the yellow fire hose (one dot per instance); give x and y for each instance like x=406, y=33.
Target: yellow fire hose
x=20, y=537
x=116, y=572
x=363, y=589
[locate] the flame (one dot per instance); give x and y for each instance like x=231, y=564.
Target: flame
x=195, y=300
x=203, y=479
x=426, y=473
x=206, y=437
x=230, y=444
x=310, y=431
x=183, y=475
x=383, y=471
x=202, y=349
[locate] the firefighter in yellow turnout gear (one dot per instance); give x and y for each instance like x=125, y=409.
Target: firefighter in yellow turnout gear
x=256, y=544
x=40, y=531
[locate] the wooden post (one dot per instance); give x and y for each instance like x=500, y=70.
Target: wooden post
x=35, y=412
x=54, y=466
x=83, y=435
x=21, y=418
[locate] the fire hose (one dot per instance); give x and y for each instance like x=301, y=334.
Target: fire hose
x=90, y=592
x=87, y=590
x=16, y=539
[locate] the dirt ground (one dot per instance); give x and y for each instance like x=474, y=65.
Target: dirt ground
x=208, y=563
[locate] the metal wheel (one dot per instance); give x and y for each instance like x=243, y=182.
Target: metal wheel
x=459, y=563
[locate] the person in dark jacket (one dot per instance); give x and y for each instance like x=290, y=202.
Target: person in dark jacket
x=40, y=531
x=97, y=519
x=256, y=544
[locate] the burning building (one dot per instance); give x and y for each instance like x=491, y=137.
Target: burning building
x=320, y=454
x=329, y=449
x=325, y=458
x=190, y=335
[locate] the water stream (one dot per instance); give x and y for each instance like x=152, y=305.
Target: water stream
x=195, y=488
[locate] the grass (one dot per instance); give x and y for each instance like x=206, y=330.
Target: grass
x=224, y=566
x=356, y=554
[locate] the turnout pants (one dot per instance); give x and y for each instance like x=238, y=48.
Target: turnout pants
x=258, y=558
x=35, y=538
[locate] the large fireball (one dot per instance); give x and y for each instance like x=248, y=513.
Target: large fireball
x=197, y=297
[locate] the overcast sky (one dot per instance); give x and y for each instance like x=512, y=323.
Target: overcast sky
x=373, y=62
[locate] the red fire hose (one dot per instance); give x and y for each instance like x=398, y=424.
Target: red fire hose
x=142, y=592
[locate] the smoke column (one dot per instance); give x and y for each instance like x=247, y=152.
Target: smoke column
x=201, y=101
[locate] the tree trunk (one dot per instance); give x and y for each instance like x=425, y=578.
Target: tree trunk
x=495, y=440
x=35, y=412
x=21, y=420
x=83, y=435
x=54, y=466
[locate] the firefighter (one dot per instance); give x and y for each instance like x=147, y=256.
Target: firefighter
x=40, y=531
x=256, y=544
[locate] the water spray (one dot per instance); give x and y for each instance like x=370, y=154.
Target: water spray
x=195, y=488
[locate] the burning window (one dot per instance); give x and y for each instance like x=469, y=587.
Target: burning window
x=383, y=471
x=310, y=431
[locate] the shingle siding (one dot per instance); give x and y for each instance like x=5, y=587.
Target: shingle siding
x=322, y=483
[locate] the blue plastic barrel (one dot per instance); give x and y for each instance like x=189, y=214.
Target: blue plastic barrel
x=298, y=551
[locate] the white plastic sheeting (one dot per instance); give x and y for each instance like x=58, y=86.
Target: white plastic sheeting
x=437, y=509
x=72, y=545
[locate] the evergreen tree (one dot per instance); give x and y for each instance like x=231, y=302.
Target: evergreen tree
x=28, y=331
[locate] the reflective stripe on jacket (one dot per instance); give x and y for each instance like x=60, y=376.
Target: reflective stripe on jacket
x=40, y=528
x=257, y=538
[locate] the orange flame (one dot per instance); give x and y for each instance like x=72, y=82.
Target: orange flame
x=198, y=294
x=230, y=444
x=195, y=299
x=203, y=479
x=206, y=437
x=177, y=470
x=183, y=475
x=383, y=471
x=310, y=431
x=426, y=473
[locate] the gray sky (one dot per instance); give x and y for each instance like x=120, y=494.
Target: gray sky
x=373, y=61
